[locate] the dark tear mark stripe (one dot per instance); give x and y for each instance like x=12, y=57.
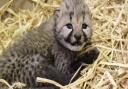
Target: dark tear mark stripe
x=69, y=37
x=71, y=14
x=83, y=12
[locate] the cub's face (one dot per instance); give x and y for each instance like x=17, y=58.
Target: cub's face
x=73, y=25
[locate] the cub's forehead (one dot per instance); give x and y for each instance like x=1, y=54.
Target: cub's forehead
x=74, y=7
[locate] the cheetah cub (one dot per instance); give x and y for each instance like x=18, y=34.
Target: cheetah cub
x=51, y=51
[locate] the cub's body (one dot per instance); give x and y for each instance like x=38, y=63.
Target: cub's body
x=50, y=51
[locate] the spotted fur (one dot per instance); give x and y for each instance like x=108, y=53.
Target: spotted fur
x=50, y=51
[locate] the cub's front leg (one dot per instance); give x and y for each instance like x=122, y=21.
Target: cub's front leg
x=88, y=58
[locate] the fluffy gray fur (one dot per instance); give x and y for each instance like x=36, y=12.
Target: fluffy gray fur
x=42, y=52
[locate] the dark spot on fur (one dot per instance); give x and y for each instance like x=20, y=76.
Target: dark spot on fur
x=32, y=60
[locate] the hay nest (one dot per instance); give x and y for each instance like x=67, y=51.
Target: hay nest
x=110, y=25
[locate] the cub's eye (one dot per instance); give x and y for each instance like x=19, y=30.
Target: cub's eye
x=69, y=26
x=84, y=26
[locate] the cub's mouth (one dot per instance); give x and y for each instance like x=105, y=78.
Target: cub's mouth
x=74, y=45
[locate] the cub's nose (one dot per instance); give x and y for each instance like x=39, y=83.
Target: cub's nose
x=77, y=36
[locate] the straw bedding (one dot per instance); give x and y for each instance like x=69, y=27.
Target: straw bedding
x=110, y=25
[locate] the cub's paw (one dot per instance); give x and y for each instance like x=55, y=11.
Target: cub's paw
x=89, y=56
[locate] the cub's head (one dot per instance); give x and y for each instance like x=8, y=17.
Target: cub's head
x=73, y=24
